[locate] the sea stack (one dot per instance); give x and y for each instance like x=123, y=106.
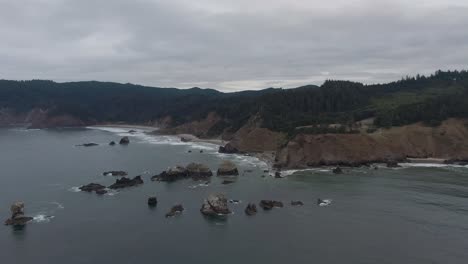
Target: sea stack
x=17, y=215
x=124, y=141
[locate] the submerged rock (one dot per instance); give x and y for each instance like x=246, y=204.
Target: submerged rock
x=88, y=145
x=337, y=170
x=227, y=168
x=126, y=182
x=92, y=187
x=124, y=141
x=112, y=143
x=269, y=204
x=17, y=215
x=101, y=191
x=152, y=201
x=251, y=209
x=228, y=149
x=215, y=205
x=115, y=173
x=278, y=174
x=175, y=210
x=132, y=131
x=225, y=182
x=392, y=164
x=297, y=203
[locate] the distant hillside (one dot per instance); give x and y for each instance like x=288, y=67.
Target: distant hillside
x=334, y=107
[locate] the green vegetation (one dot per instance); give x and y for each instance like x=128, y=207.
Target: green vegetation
x=334, y=107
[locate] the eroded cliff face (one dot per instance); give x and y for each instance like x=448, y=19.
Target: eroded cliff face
x=38, y=118
x=253, y=138
x=198, y=128
x=448, y=141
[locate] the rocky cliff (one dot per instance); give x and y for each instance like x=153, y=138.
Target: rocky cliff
x=447, y=141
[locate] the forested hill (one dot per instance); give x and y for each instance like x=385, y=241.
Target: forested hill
x=420, y=98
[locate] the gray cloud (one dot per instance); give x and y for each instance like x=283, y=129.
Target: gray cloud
x=230, y=45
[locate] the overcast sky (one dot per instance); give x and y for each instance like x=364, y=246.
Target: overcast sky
x=233, y=44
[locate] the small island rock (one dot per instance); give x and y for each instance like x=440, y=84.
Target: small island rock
x=227, y=168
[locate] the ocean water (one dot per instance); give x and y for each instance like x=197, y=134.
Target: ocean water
x=413, y=214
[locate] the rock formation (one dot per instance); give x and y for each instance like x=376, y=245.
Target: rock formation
x=297, y=203
x=17, y=215
x=175, y=210
x=337, y=170
x=269, y=204
x=215, y=205
x=92, y=187
x=196, y=171
x=228, y=149
x=126, y=182
x=227, y=168
x=112, y=143
x=152, y=201
x=124, y=141
x=251, y=209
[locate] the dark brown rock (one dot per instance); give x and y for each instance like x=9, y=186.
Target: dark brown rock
x=269, y=204
x=215, y=205
x=175, y=210
x=337, y=170
x=17, y=215
x=228, y=149
x=227, y=168
x=101, y=191
x=124, y=141
x=92, y=187
x=88, y=145
x=152, y=201
x=297, y=203
x=251, y=209
x=126, y=182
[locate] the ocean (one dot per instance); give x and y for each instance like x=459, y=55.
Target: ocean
x=413, y=214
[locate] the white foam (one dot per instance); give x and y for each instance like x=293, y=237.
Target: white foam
x=59, y=205
x=74, y=189
x=326, y=202
x=42, y=218
x=199, y=185
x=291, y=172
x=430, y=165
x=209, y=148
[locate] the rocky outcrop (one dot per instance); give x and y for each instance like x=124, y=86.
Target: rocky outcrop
x=447, y=141
x=126, y=182
x=198, y=171
x=88, y=145
x=124, y=141
x=152, y=201
x=337, y=170
x=227, y=168
x=92, y=187
x=101, y=191
x=175, y=210
x=392, y=164
x=228, y=149
x=251, y=209
x=215, y=205
x=17, y=215
x=270, y=204
x=297, y=203
x=115, y=173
